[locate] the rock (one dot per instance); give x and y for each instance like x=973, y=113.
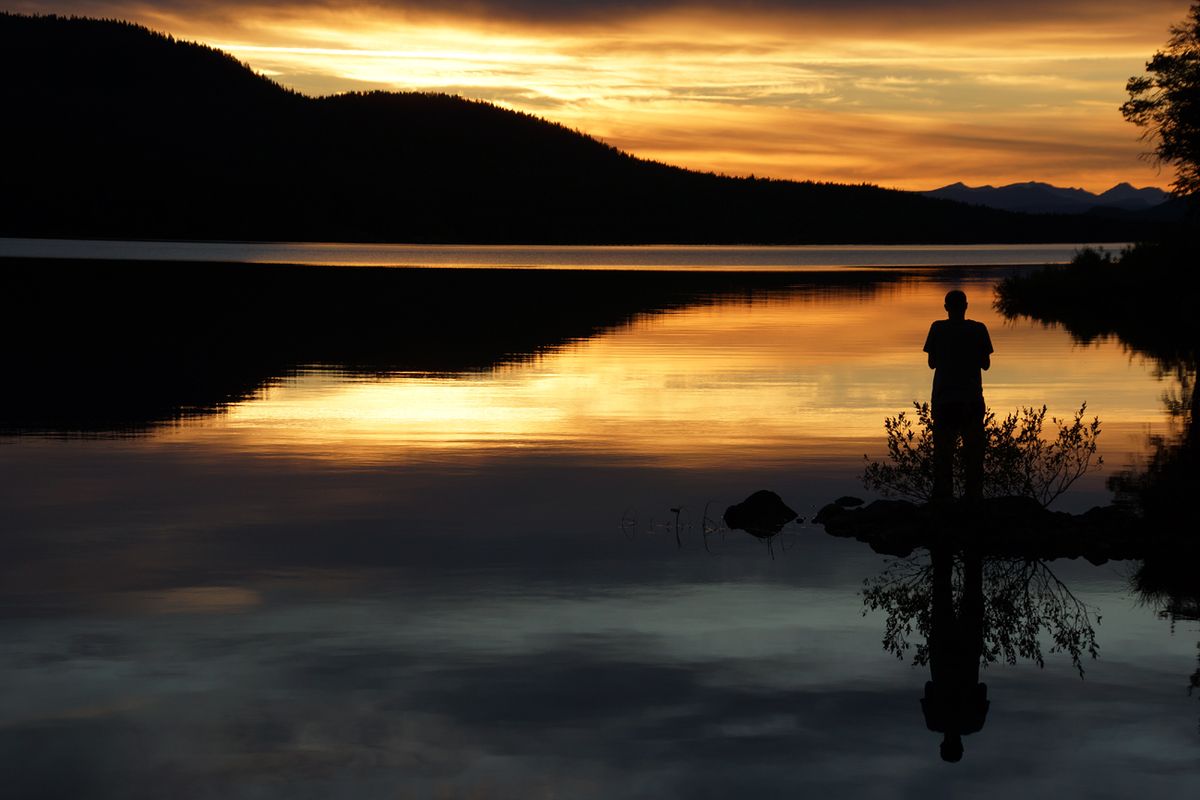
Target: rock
x=848, y=501
x=998, y=526
x=761, y=514
x=828, y=512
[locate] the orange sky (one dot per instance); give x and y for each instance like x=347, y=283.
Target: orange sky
x=911, y=95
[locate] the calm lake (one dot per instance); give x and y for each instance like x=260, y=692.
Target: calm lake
x=472, y=583
x=666, y=257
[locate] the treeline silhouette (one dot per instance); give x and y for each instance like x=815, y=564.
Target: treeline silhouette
x=1146, y=300
x=1145, y=297
x=116, y=347
x=117, y=131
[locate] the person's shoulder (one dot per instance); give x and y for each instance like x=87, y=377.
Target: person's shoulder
x=934, y=335
x=979, y=332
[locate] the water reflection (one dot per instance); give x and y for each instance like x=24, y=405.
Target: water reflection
x=1166, y=332
x=972, y=579
x=406, y=575
x=679, y=369
x=682, y=257
x=1161, y=488
x=119, y=346
x=1169, y=582
x=798, y=378
x=973, y=610
x=1162, y=491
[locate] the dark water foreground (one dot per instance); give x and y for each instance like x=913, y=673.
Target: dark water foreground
x=302, y=533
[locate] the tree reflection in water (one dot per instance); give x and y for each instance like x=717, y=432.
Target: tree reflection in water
x=968, y=588
x=1171, y=585
x=972, y=610
x=1162, y=493
x=1147, y=301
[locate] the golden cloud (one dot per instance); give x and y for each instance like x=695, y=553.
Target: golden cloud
x=910, y=95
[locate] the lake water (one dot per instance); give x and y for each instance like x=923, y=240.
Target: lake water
x=807, y=257
x=452, y=584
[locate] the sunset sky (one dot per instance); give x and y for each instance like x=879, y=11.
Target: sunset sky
x=911, y=94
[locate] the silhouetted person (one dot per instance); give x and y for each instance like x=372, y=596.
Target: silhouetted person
x=959, y=349
x=955, y=702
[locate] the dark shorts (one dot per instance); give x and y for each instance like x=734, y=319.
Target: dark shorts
x=959, y=415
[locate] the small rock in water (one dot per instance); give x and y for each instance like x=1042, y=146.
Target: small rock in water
x=848, y=501
x=762, y=514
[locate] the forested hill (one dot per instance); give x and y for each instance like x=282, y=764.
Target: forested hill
x=117, y=131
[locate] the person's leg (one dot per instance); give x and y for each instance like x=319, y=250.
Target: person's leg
x=941, y=636
x=945, y=439
x=974, y=443
x=970, y=616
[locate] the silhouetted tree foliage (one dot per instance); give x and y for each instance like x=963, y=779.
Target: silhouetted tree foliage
x=1145, y=299
x=1166, y=102
x=1023, y=601
x=1169, y=582
x=1017, y=460
x=1145, y=296
x=116, y=131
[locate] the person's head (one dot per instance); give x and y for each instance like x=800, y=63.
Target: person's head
x=956, y=303
x=952, y=749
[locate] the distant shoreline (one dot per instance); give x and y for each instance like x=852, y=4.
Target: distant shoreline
x=799, y=259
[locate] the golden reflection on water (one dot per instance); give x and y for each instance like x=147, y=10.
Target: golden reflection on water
x=804, y=378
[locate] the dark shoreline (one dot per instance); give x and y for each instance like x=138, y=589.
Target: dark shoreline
x=1145, y=296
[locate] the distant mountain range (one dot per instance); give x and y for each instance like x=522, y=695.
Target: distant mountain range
x=1043, y=198
x=116, y=131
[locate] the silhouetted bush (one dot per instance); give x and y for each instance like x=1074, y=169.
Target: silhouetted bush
x=1017, y=460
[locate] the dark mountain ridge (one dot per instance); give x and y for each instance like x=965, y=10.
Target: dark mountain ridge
x=1035, y=197
x=117, y=131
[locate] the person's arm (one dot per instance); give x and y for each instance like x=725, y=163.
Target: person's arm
x=986, y=349
x=930, y=348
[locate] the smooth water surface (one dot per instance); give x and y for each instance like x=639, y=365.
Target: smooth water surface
x=668, y=257
x=444, y=584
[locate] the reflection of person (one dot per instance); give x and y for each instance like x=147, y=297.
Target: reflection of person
x=958, y=348
x=955, y=702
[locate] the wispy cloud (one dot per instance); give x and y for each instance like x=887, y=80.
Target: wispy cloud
x=906, y=94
